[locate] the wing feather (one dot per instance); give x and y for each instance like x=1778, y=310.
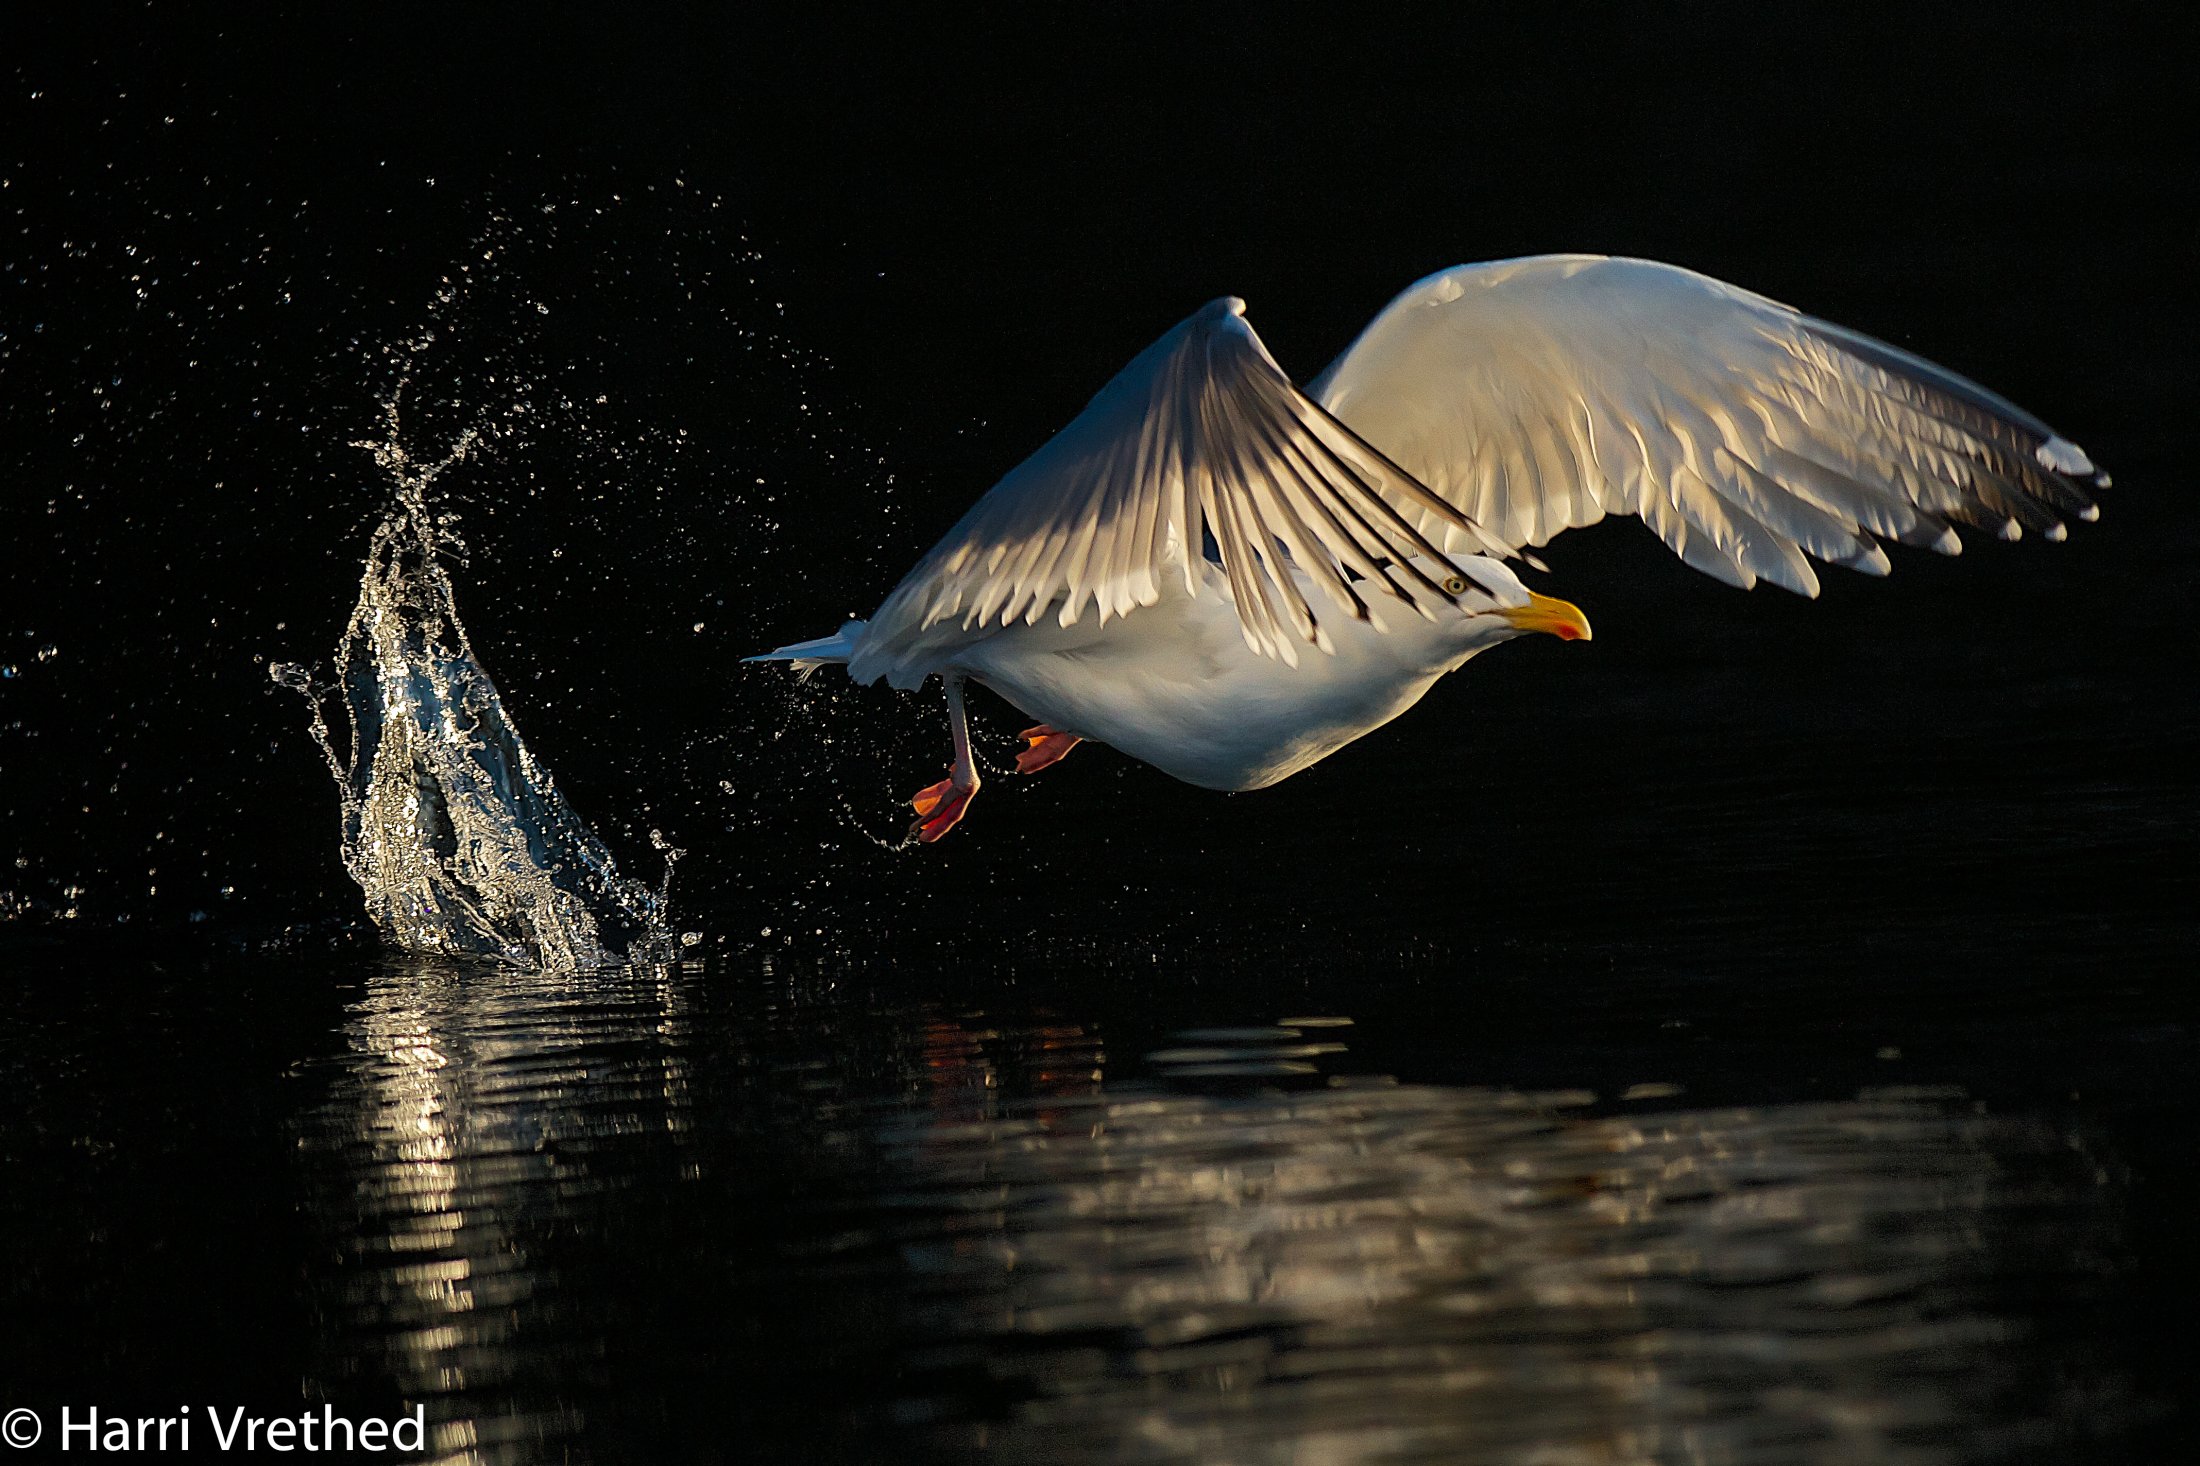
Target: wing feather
x=1538, y=395
x=1201, y=436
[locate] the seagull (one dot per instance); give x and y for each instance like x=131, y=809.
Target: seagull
x=1231, y=577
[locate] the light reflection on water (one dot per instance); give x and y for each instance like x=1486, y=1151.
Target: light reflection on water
x=545, y=1199
x=440, y=1160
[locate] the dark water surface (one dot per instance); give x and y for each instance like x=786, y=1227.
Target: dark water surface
x=1498, y=1207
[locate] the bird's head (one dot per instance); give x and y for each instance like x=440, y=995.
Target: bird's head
x=1488, y=622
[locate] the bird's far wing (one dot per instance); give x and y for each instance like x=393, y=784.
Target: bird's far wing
x=1201, y=435
x=1540, y=394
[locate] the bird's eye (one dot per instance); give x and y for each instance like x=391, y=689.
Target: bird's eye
x=1454, y=585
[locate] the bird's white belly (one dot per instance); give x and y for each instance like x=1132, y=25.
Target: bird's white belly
x=1175, y=685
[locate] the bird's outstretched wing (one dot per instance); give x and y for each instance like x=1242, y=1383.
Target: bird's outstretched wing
x=1201, y=438
x=1539, y=394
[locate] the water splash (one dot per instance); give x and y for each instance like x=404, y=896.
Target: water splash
x=457, y=835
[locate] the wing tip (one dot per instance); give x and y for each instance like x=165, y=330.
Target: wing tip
x=2065, y=457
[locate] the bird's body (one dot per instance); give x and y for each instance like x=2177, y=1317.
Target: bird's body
x=1153, y=576
x=1176, y=686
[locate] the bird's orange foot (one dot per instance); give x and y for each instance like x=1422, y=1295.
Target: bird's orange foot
x=940, y=808
x=1046, y=747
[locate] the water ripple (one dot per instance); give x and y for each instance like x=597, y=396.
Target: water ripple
x=971, y=1232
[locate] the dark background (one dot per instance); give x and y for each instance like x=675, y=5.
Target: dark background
x=782, y=296
x=872, y=262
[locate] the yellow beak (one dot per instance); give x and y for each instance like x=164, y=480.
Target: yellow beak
x=1562, y=619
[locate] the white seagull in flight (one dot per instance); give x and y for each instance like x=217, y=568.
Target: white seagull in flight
x=1231, y=578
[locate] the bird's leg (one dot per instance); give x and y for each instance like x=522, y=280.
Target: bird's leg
x=940, y=806
x=1046, y=746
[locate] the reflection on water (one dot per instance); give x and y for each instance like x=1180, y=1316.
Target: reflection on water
x=457, y=1140
x=585, y=1217
x=1373, y=1271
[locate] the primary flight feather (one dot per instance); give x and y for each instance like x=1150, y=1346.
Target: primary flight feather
x=1230, y=578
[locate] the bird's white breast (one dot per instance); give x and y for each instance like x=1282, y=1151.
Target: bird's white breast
x=1175, y=685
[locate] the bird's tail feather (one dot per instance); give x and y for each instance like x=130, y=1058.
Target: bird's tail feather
x=808, y=656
